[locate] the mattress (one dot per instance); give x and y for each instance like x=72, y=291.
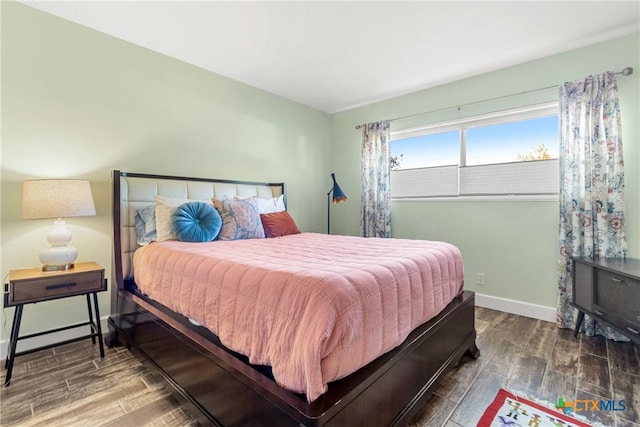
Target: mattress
x=314, y=307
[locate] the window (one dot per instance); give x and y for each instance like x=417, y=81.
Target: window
x=442, y=148
x=508, y=153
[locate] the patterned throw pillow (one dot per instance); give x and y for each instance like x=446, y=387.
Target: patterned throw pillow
x=240, y=219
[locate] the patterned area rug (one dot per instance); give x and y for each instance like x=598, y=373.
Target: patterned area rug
x=510, y=410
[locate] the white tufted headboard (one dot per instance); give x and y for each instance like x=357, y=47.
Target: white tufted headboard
x=132, y=191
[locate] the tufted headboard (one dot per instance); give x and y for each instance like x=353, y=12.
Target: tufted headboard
x=132, y=191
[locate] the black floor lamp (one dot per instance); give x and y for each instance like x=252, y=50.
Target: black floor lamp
x=338, y=197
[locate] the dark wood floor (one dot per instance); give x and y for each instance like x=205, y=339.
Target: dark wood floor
x=71, y=386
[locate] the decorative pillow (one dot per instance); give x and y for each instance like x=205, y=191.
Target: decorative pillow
x=275, y=204
x=278, y=224
x=146, y=225
x=196, y=222
x=240, y=219
x=165, y=207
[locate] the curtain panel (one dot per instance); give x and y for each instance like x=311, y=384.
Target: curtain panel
x=375, y=219
x=592, y=222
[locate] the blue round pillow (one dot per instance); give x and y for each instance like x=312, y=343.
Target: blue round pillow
x=196, y=222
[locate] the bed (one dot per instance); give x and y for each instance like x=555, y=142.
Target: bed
x=229, y=382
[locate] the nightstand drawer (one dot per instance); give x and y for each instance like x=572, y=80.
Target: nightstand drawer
x=55, y=286
x=608, y=278
x=618, y=295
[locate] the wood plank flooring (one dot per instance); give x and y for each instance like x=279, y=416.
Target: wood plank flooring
x=71, y=386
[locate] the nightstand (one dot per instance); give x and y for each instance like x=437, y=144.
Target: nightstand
x=608, y=289
x=29, y=286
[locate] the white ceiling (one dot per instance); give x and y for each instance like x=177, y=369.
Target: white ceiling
x=333, y=56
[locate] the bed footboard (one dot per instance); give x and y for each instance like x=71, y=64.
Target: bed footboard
x=388, y=391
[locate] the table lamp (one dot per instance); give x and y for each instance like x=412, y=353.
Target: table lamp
x=57, y=198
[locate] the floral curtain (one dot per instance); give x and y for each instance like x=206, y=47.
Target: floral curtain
x=591, y=184
x=375, y=220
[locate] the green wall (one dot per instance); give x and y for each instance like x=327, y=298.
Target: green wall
x=513, y=242
x=78, y=103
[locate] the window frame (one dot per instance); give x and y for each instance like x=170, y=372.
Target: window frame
x=503, y=116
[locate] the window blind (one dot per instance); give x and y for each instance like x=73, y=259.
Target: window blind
x=526, y=178
x=538, y=177
x=441, y=181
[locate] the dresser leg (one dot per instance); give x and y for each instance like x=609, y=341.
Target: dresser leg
x=15, y=332
x=579, y=322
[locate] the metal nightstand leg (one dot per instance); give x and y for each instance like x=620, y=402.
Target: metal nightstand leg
x=91, y=328
x=98, y=326
x=15, y=330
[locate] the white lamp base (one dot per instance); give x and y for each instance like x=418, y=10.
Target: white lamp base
x=59, y=256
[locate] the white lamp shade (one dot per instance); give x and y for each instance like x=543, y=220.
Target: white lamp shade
x=56, y=198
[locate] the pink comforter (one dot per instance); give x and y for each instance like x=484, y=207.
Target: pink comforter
x=314, y=307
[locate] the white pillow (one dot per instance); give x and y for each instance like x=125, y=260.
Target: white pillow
x=265, y=206
x=165, y=207
x=275, y=204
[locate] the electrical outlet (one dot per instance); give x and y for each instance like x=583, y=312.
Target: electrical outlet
x=480, y=280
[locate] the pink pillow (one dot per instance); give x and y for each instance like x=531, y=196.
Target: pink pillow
x=278, y=224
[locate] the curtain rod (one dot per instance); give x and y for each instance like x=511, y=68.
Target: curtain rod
x=625, y=72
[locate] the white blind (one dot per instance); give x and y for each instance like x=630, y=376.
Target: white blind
x=538, y=177
x=532, y=177
x=439, y=181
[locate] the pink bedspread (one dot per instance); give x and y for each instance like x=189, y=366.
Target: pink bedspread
x=314, y=307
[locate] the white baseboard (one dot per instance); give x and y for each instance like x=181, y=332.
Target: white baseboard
x=42, y=340
x=526, y=309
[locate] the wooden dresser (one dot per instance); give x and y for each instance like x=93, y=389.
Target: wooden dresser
x=608, y=289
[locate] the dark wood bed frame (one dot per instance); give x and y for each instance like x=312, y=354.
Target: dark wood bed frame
x=231, y=392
